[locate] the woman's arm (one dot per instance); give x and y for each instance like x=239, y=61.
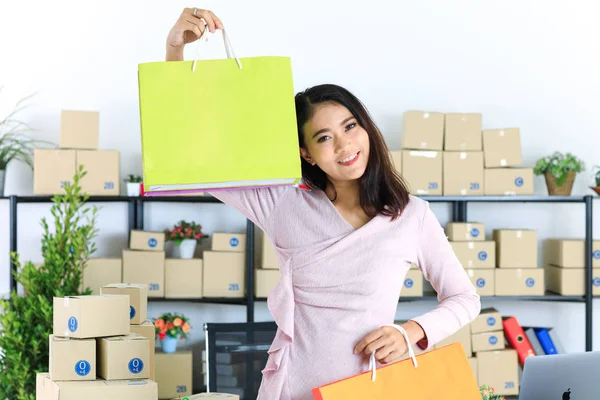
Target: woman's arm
x=188, y=28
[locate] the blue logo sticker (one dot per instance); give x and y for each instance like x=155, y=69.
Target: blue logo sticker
x=480, y=282
x=82, y=368
x=152, y=242
x=474, y=232
x=530, y=282
x=73, y=324
x=519, y=181
x=482, y=255
x=596, y=254
x=135, y=366
x=493, y=340
x=131, y=312
x=408, y=283
x=234, y=242
x=491, y=321
x=596, y=281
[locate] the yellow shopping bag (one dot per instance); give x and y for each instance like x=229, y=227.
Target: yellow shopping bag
x=218, y=124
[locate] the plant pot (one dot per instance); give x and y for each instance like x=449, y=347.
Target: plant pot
x=169, y=344
x=2, y=174
x=596, y=189
x=133, y=189
x=563, y=190
x=187, y=248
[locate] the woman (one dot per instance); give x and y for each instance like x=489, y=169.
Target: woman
x=344, y=247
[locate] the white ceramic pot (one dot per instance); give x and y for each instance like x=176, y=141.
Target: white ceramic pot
x=187, y=248
x=133, y=189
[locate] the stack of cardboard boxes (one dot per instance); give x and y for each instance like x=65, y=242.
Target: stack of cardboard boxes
x=565, y=266
x=92, y=344
x=53, y=168
x=450, y=155
x=518, y=273
x=225, y=266
x=267, y=271
x=144, y=261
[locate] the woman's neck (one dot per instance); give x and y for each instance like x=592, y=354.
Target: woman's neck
x=344, y=194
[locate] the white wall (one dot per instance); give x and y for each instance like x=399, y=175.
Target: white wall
x=530, y=64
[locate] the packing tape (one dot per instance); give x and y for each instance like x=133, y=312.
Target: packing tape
x=501, y=133
x=463, y=155
x=463, y=191
x=471, y=245
x=503, y=162
x=66, y=301
x=519, y=234
x=426, y=115
x=423, y=153
x=423, y=144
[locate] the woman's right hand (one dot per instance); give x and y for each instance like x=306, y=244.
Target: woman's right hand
x=188, y=28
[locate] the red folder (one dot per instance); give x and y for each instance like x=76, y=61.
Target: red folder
x=517, y=339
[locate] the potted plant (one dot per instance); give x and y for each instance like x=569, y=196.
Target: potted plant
x=185, y=235
x=559, y=170
x=596, y=172
x=134, y=185
x=169, y=328
x=487, y=393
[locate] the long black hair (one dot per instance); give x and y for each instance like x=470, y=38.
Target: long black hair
x=382, y=189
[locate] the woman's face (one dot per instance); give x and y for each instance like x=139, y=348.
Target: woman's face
x=336, y=143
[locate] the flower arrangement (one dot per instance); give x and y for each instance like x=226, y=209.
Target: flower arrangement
x=487, y=393
x=559, y=165
x=184, y=230
x=172, y=325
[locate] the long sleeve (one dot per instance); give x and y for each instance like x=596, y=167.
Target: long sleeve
x=459, y=302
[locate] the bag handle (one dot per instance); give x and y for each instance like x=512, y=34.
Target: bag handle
x=226, y=41
x=411, y=352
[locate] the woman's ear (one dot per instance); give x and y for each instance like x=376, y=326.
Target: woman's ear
x=306, y=155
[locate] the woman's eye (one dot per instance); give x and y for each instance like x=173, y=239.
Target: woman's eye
x=350, y=126
x=322, y=139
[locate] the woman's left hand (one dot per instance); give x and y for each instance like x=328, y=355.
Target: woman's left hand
x=388, y=343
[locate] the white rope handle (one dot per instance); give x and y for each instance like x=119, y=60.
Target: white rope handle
x=228, y=48
x=411, y=352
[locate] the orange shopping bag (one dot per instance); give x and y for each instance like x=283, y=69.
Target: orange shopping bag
x=443, y=373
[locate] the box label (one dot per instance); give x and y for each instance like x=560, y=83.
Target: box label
x=154, y=287
x=135, y=366
x=234, y=287
x=519, y=181
x=493, y=340
x=64, y=184
x=131, y=312
x=152, y=242
x=482, y=255
x=475, y=186
x=73, y=324
x=82, y=368
x=491, y=321
x=109, y=185
x=475, y=232
x=234, y=242
x=480, y=282
x=433, y=186
x=408, y=283
x=182, y=389
x=530, y=282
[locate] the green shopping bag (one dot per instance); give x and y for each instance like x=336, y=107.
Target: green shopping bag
x=218, y=124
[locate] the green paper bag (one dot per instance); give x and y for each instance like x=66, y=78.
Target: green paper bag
x=218, y=124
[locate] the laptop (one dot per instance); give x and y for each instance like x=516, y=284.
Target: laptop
x=572, y=376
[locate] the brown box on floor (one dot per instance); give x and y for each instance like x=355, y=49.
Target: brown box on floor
x=465, y=231
x=224, y=274
x=570, y=281
x=145, y=267
x=79, y=129
x=570, y=253
x=47, y=389
x=228, y=242
x=146, y=240
x=103, y=172
x=52, y=169
x=483, y=280
x=138, y=299
x=174, y=374
x=266, y=280
x=488, y=320
x=463, y=173
x=183, y=278
x=413, y=284
x=98, y=272
x=500, y=370
x=481, y=254
x=423, y=171
x=520, y=282
x=462, y=132
x=396, y=157
x=422, y=130
x=502, y=147
x=123, y=357
x=516, y=248
x=508, y=181
x=146, y=329
x=72, y=359
x=463, y=336
x=488, y=341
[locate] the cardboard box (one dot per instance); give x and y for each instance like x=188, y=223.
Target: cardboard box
x=473, y=365
x=146, y=329
x=52, y=169
x=483, y=280
x=79, y=129
x=500, y=370
x=520, y=282
x=463, y=336
x=396, y=157
x=174, y=374
x=123, y=357
x=422, y=131
x=72, y=359
x=85, y=317
x=488, y=341
x=146, y=240
x=266, y=280
x=465, y=231
x=413, y=284
x=516, y=248
x=488, y=320
x=502, y=147
x=462, y=132
x=46, y=389
x=103, y=172
x=99, y=272
x=463, y=173
x=570, y=281
x=267, y=255
x=570, y=253
x=481, y=254
x=183, y=278
x=138, y=299
x=146, y=267
x=508, y=181
x=423, y=171
x=229, y=242
x=211, y=396
x=224, y=274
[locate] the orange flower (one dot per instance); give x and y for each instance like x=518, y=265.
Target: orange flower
x=185, y=328
x=177, y=322
x=159, y=323
x=170, y=325
x=163, y=329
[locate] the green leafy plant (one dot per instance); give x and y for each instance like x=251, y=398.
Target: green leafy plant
x=184, y=230
x=26, y=321
x=487, y=393
x=559, y=165
x=133, y=178
x=173, y=325
x=596, y=171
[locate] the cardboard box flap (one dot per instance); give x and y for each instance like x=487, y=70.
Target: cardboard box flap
x=131, y=336
x=125, y=286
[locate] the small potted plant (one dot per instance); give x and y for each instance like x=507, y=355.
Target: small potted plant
x=134, y=185
x=170, y=327
x=487, y=393
x=596, y=172
x=559, y=170
x=185, y=235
